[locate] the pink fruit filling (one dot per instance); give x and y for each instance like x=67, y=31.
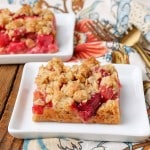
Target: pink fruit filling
x=38, y=109
x=17, y=45
x=88, y=109
x=4, y=39
x=104, y=73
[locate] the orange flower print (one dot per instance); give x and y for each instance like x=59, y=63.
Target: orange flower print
x=86, y=43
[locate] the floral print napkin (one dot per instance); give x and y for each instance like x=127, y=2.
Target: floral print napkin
x=99, y=26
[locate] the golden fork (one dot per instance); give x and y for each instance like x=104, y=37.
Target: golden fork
x=146, y=85
x=132, y=39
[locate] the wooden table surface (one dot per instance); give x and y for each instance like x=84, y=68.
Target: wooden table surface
x=10, y=76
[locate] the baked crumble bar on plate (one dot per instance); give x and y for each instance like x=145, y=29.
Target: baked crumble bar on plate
x=88, y=93
x=131, y=100
x=29, y=30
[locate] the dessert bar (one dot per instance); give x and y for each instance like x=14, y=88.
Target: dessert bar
x=82, y=93
x=29, y=30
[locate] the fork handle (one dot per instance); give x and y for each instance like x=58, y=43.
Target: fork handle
x=142, y=53
x=146, y=85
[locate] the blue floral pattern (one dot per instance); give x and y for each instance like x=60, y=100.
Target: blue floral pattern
x=123, y=16
x=10, y=1
x=27, y=1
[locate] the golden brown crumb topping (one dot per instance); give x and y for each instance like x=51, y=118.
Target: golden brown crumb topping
x=77, y=83
x=27, y=18
x=110, y=81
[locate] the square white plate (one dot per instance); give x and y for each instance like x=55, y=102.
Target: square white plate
x=65, y=32
x=134, y=124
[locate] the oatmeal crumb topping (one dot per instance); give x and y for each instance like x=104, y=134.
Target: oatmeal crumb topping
x=39, y=102
x=77, y=83
x=32, y=19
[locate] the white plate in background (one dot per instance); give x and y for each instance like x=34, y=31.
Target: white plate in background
x=134, y=126
x=65, y=32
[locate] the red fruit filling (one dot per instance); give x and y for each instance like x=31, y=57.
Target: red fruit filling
x=44, y=42
x=38, y=95
x=4, y=39
x=38, y=109
x=107, y=93
x=16, y=47
x=88, y=109
x=18, y=34
x=104, y=73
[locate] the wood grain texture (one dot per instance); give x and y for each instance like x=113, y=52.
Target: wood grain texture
x=8, y=142
x=7, y=75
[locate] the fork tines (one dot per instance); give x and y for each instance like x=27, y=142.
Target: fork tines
x=100, y=31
